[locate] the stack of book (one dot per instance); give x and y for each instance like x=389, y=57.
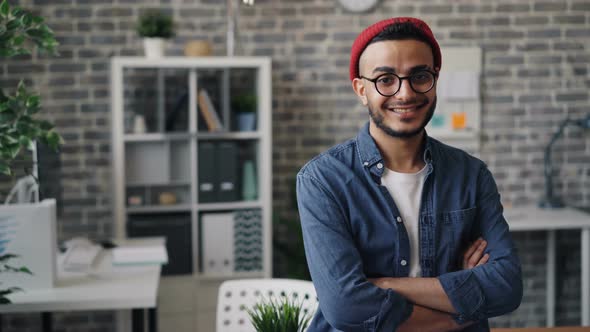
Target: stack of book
x=139, y=254
x=209, y=112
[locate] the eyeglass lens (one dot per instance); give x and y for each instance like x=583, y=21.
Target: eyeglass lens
x=389, y=84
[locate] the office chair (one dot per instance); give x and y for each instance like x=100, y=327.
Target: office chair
x=236, y=295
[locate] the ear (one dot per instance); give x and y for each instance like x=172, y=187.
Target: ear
x=359, y=89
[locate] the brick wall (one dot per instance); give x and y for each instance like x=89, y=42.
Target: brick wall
x=536, y=62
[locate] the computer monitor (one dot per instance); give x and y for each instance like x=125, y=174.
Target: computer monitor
x=49, y=175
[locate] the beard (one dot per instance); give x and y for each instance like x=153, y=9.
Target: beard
x=378, y=119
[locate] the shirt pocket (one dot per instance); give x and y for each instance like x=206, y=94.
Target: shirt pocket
x=453, y=237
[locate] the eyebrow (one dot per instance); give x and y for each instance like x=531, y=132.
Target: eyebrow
x=391, y=70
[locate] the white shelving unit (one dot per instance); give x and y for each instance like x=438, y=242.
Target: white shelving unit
x=166, y=158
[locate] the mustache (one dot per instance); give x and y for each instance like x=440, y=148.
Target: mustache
x=413, y=102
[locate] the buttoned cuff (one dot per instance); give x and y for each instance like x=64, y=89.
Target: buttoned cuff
x=465, y=295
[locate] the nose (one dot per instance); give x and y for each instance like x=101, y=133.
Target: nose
x=405, y=91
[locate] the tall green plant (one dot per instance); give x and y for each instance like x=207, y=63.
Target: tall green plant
x=20, y=33
x=283, y=315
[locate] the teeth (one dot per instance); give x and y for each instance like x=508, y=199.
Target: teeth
x=405, y=110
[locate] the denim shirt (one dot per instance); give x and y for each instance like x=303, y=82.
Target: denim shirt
x=353, y=230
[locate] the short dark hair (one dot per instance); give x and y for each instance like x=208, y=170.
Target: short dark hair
x=402, y=31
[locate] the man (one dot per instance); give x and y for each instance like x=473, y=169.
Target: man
x=393, y=220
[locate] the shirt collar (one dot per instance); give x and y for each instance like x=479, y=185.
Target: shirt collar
x=370, y=156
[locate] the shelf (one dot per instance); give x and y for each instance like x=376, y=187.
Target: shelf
x=159, y=184
x=235, y=275
x=157, y=208
x=159, y=137
x=166, y=158
x=235, y=135
x=216, y=62
x=229, y=205
x=156, y=137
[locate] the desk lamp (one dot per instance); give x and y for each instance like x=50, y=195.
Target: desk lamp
x=232, y=22
x=549, y=201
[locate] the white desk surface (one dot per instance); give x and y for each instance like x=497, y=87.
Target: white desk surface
x=533, y=218
x=109, y=287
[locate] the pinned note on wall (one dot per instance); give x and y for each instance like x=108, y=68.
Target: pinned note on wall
x=458, y=85
x=456, y=120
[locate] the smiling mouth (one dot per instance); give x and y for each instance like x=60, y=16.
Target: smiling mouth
x=405, y=109
x=408, y=107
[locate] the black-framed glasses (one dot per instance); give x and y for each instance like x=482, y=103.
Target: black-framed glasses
x=389, y=84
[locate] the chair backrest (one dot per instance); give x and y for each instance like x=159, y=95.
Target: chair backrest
x=236, y=295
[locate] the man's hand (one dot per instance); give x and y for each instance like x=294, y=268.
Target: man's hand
x=474, y=255
x=428, y=292
x=428, y=320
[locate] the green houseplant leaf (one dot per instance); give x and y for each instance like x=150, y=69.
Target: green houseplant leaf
x=246, y=103
x=19, y=29
x=4, y=169
x=279, y=315
x=4, y=8
x=155, y=24
x=4, y=258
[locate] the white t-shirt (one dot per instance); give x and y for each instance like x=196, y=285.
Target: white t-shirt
x=406, y=190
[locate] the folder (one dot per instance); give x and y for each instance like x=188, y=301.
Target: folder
x=227, y=171
x=208, y=183
x=217, y=235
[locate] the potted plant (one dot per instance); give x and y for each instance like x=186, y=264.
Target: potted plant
x=244, y=106
x=154, y=27
x=282, y=315
x=20, y=31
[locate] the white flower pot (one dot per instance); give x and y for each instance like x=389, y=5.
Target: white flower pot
x=139, y=126
x=153, y=47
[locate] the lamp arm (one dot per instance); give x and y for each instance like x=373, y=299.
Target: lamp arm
x=549, y=201
x=232, y=37
x=232, y=18
x=547, y=158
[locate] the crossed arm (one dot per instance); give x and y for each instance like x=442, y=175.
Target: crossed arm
x=350, y=302
x=432, y=307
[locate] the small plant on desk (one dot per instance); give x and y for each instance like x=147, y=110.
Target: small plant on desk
x=282, y=315
x=19, y=129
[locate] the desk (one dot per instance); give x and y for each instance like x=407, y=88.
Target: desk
x=544, y=329
x=533, y=218
x=107, y=288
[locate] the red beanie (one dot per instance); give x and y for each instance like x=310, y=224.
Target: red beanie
x=369, y=33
